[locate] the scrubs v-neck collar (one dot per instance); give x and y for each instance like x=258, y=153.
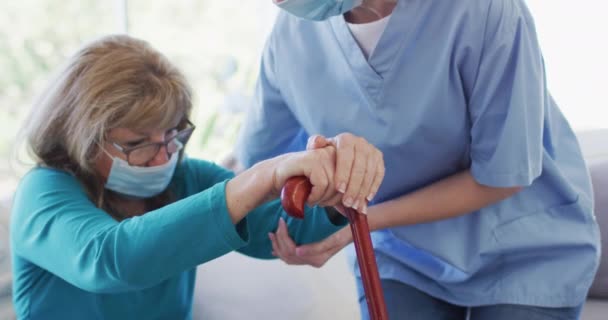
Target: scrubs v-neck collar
x=371, y=73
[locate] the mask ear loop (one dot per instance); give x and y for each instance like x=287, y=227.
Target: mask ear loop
x=373, y=10
x=104, y=150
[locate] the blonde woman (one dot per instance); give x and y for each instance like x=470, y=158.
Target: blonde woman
x=113, y=220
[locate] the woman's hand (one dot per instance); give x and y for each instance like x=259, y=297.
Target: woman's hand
x=314, y=254
x=359, y=168
x=317, y=165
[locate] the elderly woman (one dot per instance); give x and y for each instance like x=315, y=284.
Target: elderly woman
x=114, y=219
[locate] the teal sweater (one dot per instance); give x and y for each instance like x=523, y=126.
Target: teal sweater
x=71, y=260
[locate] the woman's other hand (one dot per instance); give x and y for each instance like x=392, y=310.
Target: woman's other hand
x=314, y=254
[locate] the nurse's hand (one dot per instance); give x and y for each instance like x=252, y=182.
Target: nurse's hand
x=314, y=254
x=359, y=168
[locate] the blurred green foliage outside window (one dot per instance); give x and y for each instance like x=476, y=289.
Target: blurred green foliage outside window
x=215, y=43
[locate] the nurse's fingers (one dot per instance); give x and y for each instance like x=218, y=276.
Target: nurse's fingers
x=379, y=176
x=359, y=170
x=344, y=160
x=317, y=141
x=366, y=184
x=321, y=160
x=330, y=193
x=329, y=171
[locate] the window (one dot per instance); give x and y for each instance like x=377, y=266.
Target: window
x=574, y=40
x=215, y=43
x=35, y=37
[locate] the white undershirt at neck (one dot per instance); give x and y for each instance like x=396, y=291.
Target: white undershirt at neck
x=368, y=34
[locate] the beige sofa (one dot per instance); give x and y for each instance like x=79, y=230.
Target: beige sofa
x=595, y=146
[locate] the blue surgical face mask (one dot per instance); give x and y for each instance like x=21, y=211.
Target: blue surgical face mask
x=317, y=9
x=140, y=182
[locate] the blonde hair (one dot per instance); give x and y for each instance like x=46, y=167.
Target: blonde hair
x=116, y=81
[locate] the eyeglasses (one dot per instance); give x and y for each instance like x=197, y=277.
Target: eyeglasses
x=142, y=154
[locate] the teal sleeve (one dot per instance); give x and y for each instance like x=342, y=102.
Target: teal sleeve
x=195, y=175
x=314, y=227
x=55, y=226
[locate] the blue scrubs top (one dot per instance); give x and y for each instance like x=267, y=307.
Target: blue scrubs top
x=452, y=85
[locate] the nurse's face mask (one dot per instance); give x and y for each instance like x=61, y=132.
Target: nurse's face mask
x=132, y=178
x=317, y=9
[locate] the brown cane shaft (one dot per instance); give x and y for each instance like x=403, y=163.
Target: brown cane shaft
x=367, y=264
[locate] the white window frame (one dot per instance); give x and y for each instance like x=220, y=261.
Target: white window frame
x=122, y=15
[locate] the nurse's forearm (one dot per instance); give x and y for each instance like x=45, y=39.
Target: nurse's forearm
x=250, y=188
x=451, y=197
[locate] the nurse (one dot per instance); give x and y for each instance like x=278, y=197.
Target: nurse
x=486, y=207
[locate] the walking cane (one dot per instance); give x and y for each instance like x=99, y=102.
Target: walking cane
x=293, y=197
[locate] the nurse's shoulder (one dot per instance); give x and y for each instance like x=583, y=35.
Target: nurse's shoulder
x=513, y=13
x=288, y=27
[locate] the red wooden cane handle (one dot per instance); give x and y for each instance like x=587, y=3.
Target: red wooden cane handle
x=293, y=197
x=294, y=194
